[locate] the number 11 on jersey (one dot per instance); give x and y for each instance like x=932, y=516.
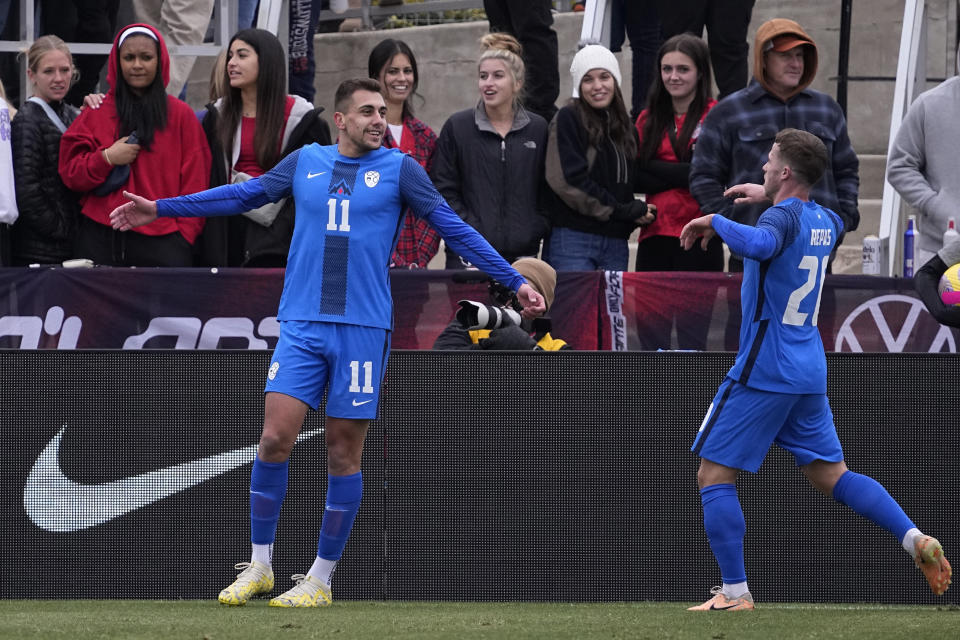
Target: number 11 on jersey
x=332, y=215
x=355, y=377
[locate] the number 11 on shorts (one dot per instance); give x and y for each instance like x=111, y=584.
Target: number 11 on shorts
x=355, y=377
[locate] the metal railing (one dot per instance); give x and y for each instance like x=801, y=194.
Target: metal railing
x=367, y=12
x=224, y=20
x=911, y=79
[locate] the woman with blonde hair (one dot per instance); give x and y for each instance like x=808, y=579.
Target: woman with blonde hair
x=47, y=227
x=489, y=159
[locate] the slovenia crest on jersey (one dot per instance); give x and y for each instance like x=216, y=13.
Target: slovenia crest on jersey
x=371, y=178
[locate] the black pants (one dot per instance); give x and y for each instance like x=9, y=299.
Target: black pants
x=104, y=246
x=727, y=22
x=531, y=22
x=642, y=26
x=664, y=253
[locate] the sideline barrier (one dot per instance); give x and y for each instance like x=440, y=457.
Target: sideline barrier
x=104, y=308
x=512, y=476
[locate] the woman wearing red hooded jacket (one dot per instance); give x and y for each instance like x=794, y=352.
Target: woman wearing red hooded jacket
x=140, y=140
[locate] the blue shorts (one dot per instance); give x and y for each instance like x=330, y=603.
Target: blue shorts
x=351, y=358
x=742, y=423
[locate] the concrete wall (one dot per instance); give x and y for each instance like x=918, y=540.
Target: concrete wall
x=447, y=58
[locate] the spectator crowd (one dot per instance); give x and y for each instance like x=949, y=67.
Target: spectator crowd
x=566, y=181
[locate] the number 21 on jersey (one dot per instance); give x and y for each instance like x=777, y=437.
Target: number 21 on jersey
x=814, y=267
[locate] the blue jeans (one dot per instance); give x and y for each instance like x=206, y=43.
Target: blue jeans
x=569, y=250
x=247, y=14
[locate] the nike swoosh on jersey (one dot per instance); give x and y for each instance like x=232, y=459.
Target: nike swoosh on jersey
x=56, y=503
x=314, y=175
x=361, y=402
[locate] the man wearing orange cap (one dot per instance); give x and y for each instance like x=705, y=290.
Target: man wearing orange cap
x=727, y=168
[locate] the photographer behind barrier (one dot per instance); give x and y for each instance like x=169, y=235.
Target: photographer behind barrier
x=498, y=326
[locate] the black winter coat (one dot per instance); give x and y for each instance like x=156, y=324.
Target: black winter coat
x=586, y=193
x=495, y=184
x=237, y=241
x=47, y=226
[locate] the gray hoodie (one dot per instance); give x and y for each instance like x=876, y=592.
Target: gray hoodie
x=924, y=166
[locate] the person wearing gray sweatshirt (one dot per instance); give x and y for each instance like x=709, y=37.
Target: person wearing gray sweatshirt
x=923, y=164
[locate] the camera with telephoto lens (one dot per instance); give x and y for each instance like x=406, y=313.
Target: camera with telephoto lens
x=476, y=315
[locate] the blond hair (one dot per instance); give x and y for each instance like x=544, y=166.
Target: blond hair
x=219, y=82
x=3, y=101
x=503, y=46
x=44, y=45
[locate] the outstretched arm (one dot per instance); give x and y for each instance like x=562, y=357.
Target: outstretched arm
x=747, y=193
x=136, y=213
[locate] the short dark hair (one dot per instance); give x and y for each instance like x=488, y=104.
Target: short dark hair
x=349, y=87
x=804, y=153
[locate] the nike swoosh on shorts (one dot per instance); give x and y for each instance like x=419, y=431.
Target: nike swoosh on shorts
x=56, y=503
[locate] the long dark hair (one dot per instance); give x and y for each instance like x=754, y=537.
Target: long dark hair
x=660, y=114
x=612, y=121
x=147, y=113
x=271, y=99
x=381, y=56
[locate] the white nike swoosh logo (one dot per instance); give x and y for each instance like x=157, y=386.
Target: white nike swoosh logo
x=56, y=503
x=357, y=404
x=314, y=175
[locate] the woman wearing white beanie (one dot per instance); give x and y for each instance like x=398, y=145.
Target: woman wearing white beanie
x=590, y=166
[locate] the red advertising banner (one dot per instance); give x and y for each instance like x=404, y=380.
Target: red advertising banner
x=107, y=308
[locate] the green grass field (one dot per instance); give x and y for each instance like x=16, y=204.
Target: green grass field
x=207, y=620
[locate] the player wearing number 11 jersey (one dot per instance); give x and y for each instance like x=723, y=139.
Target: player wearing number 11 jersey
x=335, y=315
x=776, y=390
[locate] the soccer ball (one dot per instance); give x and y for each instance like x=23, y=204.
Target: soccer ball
x=950, y=286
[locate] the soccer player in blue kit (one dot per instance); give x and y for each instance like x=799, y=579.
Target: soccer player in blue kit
x=335, y=314
x=776, y=390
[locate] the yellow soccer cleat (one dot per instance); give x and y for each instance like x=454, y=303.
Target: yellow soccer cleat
x=254, y=579
x=929, y=559
x=307, y=592
x=720, y=602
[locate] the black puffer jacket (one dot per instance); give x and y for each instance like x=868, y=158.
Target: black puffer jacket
x=495, y=184
x=236, y=241
x=47, y=225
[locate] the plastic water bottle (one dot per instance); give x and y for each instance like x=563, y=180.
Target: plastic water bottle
x=909, y=247
x=950, y=235
x=871, y=255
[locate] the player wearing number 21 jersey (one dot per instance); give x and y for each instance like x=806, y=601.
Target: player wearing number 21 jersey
x=775, y=393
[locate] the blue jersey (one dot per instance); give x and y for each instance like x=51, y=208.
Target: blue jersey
x=348, y=216
x=780, y=345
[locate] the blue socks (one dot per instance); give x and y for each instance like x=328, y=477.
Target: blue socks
x=867, y=497
x=268, y=486
x=725, y=527
x=343, y=502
